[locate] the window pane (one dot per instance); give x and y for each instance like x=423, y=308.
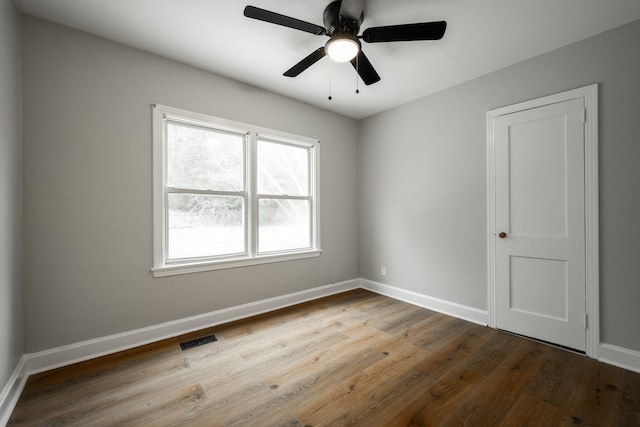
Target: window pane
x=282, y=169
x=204, y=159
x=283, y=225
x=204, y=225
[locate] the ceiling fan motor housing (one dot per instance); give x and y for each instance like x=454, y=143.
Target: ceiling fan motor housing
x=335, y=24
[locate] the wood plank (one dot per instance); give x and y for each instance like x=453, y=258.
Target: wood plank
x=438, y=330
x=408, y=317
x=491, y=353
x=167, y=407
x=555, y=379
x=595, y=396
x=350, y=391
x=223, y=407
x=500, y=391
x=104, y=391
x=531, y=411
x=435, y=406
x=294, y=371
x=448, y=356
x=630, y=400
x=372, y=407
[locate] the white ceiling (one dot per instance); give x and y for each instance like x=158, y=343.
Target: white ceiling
x=482, y=36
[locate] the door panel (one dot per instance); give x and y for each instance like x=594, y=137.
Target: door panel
x=533, y=147
x=538, y=286
x=540, y=263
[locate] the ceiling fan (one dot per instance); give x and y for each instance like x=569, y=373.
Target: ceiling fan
x=342, y=20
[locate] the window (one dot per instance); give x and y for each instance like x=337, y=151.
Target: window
x=228, y=194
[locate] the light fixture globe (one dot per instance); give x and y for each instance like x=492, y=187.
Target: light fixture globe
x=342, y=47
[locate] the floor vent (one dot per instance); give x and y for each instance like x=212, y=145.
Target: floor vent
x=197, y=342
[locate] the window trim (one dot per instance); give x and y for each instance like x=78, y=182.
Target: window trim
x=161, y=265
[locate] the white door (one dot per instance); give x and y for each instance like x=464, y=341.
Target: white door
x=540, y=223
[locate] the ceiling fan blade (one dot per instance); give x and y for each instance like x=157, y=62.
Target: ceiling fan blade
x=406, y=32
x=285, y=21
x=352, y=9
x=307, y=62
x=364, y=68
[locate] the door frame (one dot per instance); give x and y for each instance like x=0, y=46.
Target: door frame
x=592, y=285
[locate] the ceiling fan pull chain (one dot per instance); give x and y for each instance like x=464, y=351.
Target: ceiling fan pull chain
x=330, y=68
x=357, y=74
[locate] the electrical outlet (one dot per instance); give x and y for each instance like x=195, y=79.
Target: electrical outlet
x=383, y=271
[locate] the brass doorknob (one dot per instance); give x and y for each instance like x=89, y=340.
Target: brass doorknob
x=502, y=235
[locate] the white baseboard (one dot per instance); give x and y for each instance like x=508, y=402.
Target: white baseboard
x=460, y=311
x=11, y=391
x=85, y=350
x=620, y=356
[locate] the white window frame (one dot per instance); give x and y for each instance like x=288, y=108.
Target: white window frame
x=162, y=266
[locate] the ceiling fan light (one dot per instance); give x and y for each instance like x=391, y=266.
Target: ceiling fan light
x=342, y=48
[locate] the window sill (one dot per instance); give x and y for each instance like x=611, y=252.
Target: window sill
x=175, y=269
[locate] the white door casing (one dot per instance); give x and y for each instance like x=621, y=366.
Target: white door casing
x=542, y=193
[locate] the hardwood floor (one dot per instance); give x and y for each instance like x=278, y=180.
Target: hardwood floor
x=356, y=359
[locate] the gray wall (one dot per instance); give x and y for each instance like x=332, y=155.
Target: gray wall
x=87, y=188
x=423, y=168
x=11, y=327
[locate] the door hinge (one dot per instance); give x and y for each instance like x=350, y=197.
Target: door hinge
x=584, y=115
x=586, y=321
